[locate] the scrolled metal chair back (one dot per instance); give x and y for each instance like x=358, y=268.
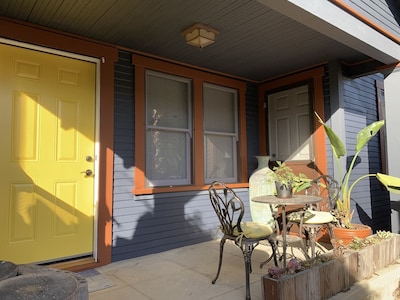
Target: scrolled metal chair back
x=228, y=207
x=325, y=185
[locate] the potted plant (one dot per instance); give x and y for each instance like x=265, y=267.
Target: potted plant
x=343, y=211
x=287, y=182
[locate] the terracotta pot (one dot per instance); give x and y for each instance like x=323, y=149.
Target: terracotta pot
x=346, y=235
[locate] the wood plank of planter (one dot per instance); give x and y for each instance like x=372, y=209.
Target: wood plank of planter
x=392, y=252
x=365, y=263
x=337, y=276
x=379, y=256
x=325, y=284
x=289, y=288
x=277, y=289
x=313, y=284
x=352, y=266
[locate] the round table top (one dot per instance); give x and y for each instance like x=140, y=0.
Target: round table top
x=296, y=199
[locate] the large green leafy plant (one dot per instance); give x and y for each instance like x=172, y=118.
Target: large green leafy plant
x=343, y=211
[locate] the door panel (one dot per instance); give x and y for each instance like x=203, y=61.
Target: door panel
x=47, y=120
x=290, y=135
x=290, y=130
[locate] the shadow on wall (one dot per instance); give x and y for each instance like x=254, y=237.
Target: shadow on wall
x=163, y=223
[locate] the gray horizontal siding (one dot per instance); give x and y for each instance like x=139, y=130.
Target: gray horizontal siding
x=154, y=223
x=252, y=125
x=369, y=199
x=384, y=13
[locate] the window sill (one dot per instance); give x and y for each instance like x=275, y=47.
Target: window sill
x=170, y=189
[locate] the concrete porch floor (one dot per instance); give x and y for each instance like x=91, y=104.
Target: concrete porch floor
x=183, y=273
x=186, y=273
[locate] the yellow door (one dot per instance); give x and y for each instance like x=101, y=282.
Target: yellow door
x=47, y=129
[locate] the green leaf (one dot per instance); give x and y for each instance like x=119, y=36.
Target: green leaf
x=303, y=185
x=336, y=143
x=391, y=183
x=367, y=133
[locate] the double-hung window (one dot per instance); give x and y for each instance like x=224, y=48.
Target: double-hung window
x=220, y=133
x=188, y=124
x=168, y=129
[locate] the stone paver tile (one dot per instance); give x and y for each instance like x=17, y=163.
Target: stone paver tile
x=125, y=292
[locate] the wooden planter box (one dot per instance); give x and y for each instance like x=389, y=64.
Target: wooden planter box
x=327, y=279
x=376, y=257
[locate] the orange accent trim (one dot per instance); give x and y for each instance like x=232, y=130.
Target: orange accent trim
x=315, y=75
x=199, y=77
x=45, y=37
x=351, y=10
x=170, y=189
x=319, y=134
x=140, y=125
x=198, y=138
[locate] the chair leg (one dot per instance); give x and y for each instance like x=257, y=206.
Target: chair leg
x=221, y=251
x=273, y=247
x=273, y=255
x=312, y=231
x=247, y=249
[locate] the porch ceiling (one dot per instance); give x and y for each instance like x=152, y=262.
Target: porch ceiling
x=255, y=42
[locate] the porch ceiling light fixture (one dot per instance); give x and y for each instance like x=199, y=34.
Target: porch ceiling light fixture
x=199, y=35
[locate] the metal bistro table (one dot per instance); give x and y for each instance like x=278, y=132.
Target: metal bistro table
x=283, y=202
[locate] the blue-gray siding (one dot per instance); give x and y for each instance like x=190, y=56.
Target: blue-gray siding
x=252, y=124
x=384, y=13
x=370, y=199
x=153, y=223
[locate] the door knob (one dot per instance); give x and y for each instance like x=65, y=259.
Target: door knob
x=88, y=172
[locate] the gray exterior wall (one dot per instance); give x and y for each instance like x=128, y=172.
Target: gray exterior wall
x=252, y=125
x=154, y=223
x=392, y=91
x=384, y=13
x=370, y=199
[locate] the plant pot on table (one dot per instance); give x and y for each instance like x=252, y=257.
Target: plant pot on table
x=283, y=190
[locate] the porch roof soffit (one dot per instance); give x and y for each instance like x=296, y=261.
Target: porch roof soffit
x=258, y=40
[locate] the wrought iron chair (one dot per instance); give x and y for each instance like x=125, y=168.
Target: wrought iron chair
x=312, y=219
x=246, y=235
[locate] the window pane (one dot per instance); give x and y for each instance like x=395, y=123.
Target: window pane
x=220, y=158
x=167, y=102
x=166, y=161
x=220, y=133
x=219, y=109
x=168, y=132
